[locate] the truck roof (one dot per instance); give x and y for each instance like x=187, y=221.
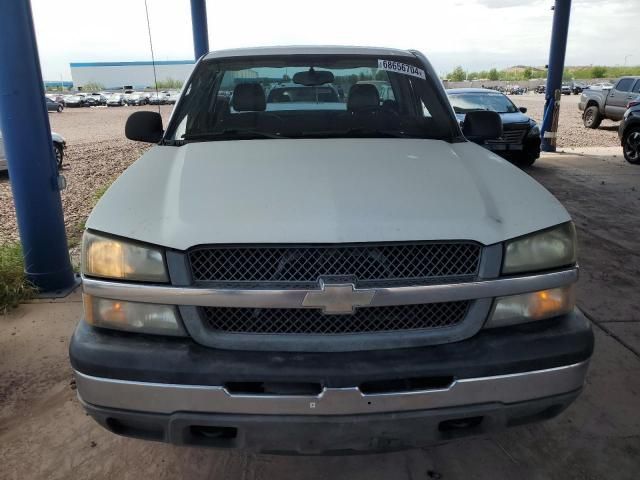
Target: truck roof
x=307, y=50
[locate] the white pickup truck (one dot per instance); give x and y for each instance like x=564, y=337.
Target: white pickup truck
x=340, y=275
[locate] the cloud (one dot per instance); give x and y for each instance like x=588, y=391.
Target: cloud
x=477, y=34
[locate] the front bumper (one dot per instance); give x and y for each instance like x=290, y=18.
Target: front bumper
x=177, y=391
x=327, y=435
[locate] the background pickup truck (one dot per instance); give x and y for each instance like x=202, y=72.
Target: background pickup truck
x=598, y=104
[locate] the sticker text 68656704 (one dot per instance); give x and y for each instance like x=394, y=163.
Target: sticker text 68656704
x=397, y=67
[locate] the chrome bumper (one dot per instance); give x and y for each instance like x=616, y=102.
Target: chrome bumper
x=171, y=398
x=266, y=298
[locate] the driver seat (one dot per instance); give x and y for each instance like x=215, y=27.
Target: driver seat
x=363, y=96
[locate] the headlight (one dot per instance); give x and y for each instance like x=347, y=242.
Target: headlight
x=131, y=316
x=529, y=307
x=111, y=258
x=552, y=248
x=535, y=131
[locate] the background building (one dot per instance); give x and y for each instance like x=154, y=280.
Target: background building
x=135, y=74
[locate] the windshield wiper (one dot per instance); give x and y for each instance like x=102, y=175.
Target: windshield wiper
x=230, y=133
x=374, y=131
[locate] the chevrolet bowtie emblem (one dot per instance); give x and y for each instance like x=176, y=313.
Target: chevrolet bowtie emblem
x=339, y=298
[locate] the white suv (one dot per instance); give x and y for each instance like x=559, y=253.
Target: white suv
x=344, y=274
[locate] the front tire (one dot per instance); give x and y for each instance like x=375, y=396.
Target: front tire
x=526, y=159
x=59, y=109
x=592, y=117
x=59, y=152
x=631, y=145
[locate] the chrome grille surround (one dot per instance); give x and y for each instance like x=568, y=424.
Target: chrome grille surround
x=363, y=266
x=189, y=299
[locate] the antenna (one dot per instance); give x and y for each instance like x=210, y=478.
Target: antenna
x=153, y=58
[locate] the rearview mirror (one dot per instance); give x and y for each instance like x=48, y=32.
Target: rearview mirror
x=311, y=78
x=523, y=109
x=144, y=127
x=482, y=125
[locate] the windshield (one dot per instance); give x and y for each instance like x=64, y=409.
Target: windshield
x=309, y=96
x=471, y=102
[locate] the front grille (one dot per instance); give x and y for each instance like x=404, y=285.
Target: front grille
x=302, y=266
x=310, y=321
x=510, y=136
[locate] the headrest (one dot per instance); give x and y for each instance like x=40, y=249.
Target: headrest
x=248, y=97
x=363, y=96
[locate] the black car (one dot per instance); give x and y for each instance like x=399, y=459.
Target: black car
x=577, y=87
x=92, y=101
x=520, y=141
x=629, y=133
x=53, y=106
x=74, y=101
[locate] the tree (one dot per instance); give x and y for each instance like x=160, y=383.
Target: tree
x=473, y=76
x=527, y=73
x=493, y=74
x=169, y=83
x=598, y=72
x=92, y=87
x=458, y=74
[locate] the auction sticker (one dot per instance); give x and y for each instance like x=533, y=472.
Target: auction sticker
x=397, y=67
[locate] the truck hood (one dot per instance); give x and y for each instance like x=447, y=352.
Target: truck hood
x=323, y=191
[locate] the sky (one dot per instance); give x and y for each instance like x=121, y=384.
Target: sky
x=476, y=34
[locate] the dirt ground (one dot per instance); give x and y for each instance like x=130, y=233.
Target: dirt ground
x=44, y=433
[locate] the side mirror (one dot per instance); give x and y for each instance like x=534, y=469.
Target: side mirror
x=482, y=125
x=523, y=109
x=144, y=127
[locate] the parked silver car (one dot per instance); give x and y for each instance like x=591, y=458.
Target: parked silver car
x=59, y=144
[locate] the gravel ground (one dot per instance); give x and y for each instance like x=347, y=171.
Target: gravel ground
x=572, y=132
x=98, y=152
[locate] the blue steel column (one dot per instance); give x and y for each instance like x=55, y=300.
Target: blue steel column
x=27, y=142
x=556, y=69
x=200, y=29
